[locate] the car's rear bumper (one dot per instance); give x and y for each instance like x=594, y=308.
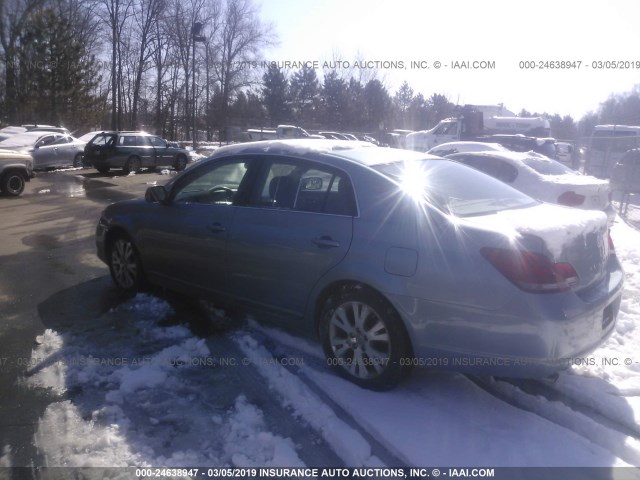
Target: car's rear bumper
x=545, y=334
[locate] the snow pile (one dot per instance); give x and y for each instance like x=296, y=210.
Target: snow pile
x=139, y=394
x=47, y=366
x=248, y=444
x=66, y=439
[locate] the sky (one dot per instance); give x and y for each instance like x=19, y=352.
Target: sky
x=499, y=32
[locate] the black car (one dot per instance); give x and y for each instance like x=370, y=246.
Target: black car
x=132, y=151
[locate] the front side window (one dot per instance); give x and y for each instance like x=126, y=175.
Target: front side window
x=158, y=142
x=218, y=185
x=306, y=188
x=62, y=141
x=47, y=140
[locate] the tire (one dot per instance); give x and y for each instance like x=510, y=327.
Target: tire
x=77, y=161
x=12, y=183
x=103, y=170
x=181, y=163
x=349, y=320
x=125, y=265
x=132, y=165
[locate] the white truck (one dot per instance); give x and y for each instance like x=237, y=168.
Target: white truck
x=282, y=131
x=476, y=121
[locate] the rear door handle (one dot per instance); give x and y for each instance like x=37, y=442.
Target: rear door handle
x=326, y=241
x=217, y=228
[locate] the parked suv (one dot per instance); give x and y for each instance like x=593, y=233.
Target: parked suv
x=15, y=170
x=132, y=151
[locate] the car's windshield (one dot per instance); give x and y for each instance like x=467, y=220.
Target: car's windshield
x=547, y=166
x=455, y=188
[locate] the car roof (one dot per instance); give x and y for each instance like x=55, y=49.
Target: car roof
x=361, y=152
x=513, y=157
x=490, y=145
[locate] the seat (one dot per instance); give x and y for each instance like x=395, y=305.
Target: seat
x=283, y=190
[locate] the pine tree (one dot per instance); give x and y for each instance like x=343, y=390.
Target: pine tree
x=275, y=90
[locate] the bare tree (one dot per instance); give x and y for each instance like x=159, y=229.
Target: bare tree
x=146, y=19
x=242, y=37
x=117, y=13
x=180, y=21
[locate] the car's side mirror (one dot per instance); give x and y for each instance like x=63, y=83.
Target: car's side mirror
x=156, y=194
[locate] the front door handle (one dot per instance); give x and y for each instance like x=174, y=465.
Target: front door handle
x=326, y=241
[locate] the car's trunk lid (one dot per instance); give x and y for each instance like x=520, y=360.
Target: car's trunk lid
x=572, y=236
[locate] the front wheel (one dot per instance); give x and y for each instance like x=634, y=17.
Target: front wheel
x=125, y=265
x=12, y=183
x=364, y=338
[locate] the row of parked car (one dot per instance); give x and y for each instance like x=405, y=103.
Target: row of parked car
x=28, y=148
x=467, y=257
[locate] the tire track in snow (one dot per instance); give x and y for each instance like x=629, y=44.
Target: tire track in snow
x=351, y=442
x=543, y=400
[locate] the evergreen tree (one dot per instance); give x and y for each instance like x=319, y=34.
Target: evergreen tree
x=305, y=90
x=377, y=106
x=402, y=101
x=57, y=73
x=334, y=93
x=353, y=106
x=275, y=95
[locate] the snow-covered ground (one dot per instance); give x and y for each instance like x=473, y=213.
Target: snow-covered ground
x=137, y=387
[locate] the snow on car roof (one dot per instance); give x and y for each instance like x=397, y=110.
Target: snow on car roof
x=490, y=146
x=362, y=152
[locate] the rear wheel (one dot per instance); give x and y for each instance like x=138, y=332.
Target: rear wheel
x=132, y=165
x=364, y=338
x=181, y=163
x=125, y=265
x=12, y=183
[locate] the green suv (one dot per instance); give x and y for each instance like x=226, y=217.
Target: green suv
x=132, y=151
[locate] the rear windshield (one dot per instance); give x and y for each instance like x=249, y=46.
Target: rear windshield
x=455, y=188
x=103, y=139
x=547, y=166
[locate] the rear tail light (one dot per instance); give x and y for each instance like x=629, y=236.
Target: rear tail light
x=531, y=271
x=571, y=199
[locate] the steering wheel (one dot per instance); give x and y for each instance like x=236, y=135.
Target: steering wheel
x=229, y=192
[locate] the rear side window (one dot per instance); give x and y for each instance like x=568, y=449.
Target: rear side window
x=307, y=188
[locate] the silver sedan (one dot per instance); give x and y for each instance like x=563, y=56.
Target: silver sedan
x=392, y=258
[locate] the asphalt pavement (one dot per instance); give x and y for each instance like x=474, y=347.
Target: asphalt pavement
x=49, y=276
